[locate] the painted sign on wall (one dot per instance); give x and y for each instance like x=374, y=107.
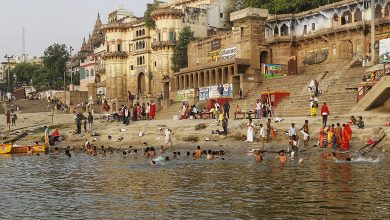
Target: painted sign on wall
x=213, y=92
x=229, y=53
x=185, y=95
x=272, y=71
x=384, y=50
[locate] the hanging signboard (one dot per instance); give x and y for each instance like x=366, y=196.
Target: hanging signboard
x=272, y=71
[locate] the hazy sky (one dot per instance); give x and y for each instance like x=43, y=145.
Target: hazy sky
x=54, y=21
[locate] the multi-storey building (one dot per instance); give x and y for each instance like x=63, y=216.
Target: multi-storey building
x=331, y=33
x=137, y=58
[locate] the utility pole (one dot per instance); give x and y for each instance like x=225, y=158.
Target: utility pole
x=372, y=32
x=9, y=67
x=70, y=67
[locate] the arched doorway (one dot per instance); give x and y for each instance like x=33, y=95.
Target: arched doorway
x=346, y=50
x=284, y=30
x=141, y=83
x=263, y=60
x=346, y=18
x=378, y=11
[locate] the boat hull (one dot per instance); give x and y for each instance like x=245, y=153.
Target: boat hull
x=5, y=148
x=25, y=149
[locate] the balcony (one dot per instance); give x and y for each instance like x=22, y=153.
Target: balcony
x=163, y=44
x=116, y=54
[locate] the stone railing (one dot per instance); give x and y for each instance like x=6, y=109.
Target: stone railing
x=162, y=44
x=116, y=54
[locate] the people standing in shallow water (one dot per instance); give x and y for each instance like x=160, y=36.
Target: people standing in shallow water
x=282, y=157
x=198, y=152
x=259, y=156
x=305, y=131
x=249, y=134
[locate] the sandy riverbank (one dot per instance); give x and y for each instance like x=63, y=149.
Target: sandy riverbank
x=185, y=134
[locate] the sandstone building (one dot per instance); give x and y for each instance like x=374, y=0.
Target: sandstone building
x=238, y=58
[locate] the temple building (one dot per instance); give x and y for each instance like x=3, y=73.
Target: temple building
x=262, y=46
x=136, y=58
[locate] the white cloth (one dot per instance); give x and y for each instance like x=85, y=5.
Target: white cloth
x=147, y=109
x=305, y=135
x=262, y=133
x=258, y=106
x=167, y=136
x=292, y=132
x=249, y=135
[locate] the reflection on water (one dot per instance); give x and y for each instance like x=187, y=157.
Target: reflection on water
x=84, y=187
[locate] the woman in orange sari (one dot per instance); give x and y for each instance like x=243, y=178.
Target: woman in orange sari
x=347, y=135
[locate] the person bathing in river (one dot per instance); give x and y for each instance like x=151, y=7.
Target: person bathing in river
x=282, y=157
x=259, y=156
x=168, y=137
x=198, y=152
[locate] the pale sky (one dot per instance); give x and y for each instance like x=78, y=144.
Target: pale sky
x=54, y=21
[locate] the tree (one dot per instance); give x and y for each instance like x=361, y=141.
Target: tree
x=180, y=58
x=25, y=72
x=54, y=60
x=148, y=14
x=274, y=6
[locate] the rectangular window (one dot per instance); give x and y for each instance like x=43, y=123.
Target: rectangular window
x=171, y=36
x=304, y=29
x=119, y=47
x=313, y=26
x=242, y=31
x=221, y=15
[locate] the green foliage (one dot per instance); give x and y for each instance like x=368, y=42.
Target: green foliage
x=180, y=58
x=25, y=71
x=148, y=14
x=54, y=60
x=275, y=6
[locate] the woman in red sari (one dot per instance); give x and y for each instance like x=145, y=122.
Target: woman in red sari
x=347, y=135
x=152, y=110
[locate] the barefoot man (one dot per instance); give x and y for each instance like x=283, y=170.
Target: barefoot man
x=305, y=132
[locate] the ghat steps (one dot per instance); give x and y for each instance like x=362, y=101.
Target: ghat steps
x=336, y=81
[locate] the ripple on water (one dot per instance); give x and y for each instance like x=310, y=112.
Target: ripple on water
x=85, y=187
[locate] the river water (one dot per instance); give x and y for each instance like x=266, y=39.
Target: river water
x=85, y=187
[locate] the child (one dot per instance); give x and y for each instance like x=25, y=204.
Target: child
x=198, y=152
x=360, y=123
x=259, y=156
x=282, y=157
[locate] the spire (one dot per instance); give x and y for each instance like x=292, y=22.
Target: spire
x=98, y=22
x=83, y=45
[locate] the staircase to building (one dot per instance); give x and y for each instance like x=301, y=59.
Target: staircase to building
x=337, y=81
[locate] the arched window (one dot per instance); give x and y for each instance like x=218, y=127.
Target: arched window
x=92, y=72
x=378, y=11
x=346, y=18
x=143, y=60
x=143, y=31
x=136, y=33
x=87, y=73
x=358, y=15
x=276, y=31
x=284, y=30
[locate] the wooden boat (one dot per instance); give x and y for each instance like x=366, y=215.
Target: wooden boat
x=25, y=149
x=11, y=149
x=5, y=148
